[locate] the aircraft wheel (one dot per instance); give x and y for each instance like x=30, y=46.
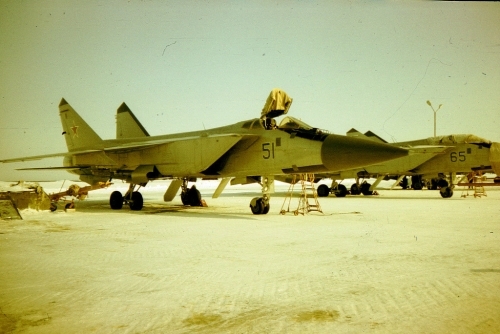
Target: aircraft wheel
x=184, y=198
x=355, y=189
x=53, y=207
x=442, y=183
x=194, y=197
x=416, y=182
x=341, y=191
x=266, y=209
x=256, y=206
x=116, y=200
x=323, y=190
x=432, y=184
x=137, y=202
x=446, y=192
x=365, y=189
x=404, y=183
x=69, y=206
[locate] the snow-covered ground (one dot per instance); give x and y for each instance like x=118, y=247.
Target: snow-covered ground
x=404, y=261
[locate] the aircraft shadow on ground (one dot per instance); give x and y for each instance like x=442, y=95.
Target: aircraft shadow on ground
x=296, y=194
x=179, y=210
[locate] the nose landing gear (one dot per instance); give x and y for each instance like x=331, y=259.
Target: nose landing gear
x=260, y=205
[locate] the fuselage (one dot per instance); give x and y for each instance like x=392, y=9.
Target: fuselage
x=242, y=149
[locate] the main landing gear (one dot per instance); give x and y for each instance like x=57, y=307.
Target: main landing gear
x=190, y=196
x=260, y=205
x=340, y=190
x=132, y=198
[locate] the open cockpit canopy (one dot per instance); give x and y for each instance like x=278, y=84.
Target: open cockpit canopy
x=278, y=102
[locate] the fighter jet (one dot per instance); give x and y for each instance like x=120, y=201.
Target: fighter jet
x=255, y=148
x=430, y=161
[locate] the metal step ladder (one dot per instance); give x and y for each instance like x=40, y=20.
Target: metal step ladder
x=308, y=197
x=479, y=189
x=475, y=177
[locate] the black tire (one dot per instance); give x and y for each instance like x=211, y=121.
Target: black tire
x=258, y=208
x=266, y=209
x=446, y=192
x=404, y=183
x=194, y=197
x=355, y=189
x=341, y=191
x=365, y=189
x=416, y=182
x=184, y=198
x=442, y=183
x=69, y=206
x=432, y=184
x=323, y=190
x=116, y=200
x=53, y=207
x=137, y=201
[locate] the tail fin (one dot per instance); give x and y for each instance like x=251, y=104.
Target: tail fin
x=373, y=136
x=78, y=134
x=127, y=125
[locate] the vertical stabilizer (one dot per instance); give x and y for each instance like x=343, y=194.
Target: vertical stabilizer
x=127, y=125
x=77, y=133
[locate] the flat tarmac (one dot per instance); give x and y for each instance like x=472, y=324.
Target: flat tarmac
x=401, y=262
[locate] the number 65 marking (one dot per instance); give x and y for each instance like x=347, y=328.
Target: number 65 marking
x=457, y=156
x=268, y=152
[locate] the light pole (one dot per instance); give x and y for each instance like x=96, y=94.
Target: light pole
x=435, y=112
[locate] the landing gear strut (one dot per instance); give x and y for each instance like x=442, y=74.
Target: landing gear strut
x=260, y=205
x=446, y=191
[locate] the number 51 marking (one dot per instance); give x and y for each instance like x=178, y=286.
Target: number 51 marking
x=268, y=151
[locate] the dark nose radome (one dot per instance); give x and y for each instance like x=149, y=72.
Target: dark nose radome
x=342, y=152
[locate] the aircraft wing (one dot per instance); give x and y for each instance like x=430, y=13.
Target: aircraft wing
x=125, y=147
x=45, y=156
x=219, y=144
x=139, y=145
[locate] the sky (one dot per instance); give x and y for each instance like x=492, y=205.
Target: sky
x=188, y=65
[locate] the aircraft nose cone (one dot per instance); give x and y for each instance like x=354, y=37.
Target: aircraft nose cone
x=342, y=152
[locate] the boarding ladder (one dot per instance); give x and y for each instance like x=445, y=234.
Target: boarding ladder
x=308, y=197
x=475, y=177
x=479, y=189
